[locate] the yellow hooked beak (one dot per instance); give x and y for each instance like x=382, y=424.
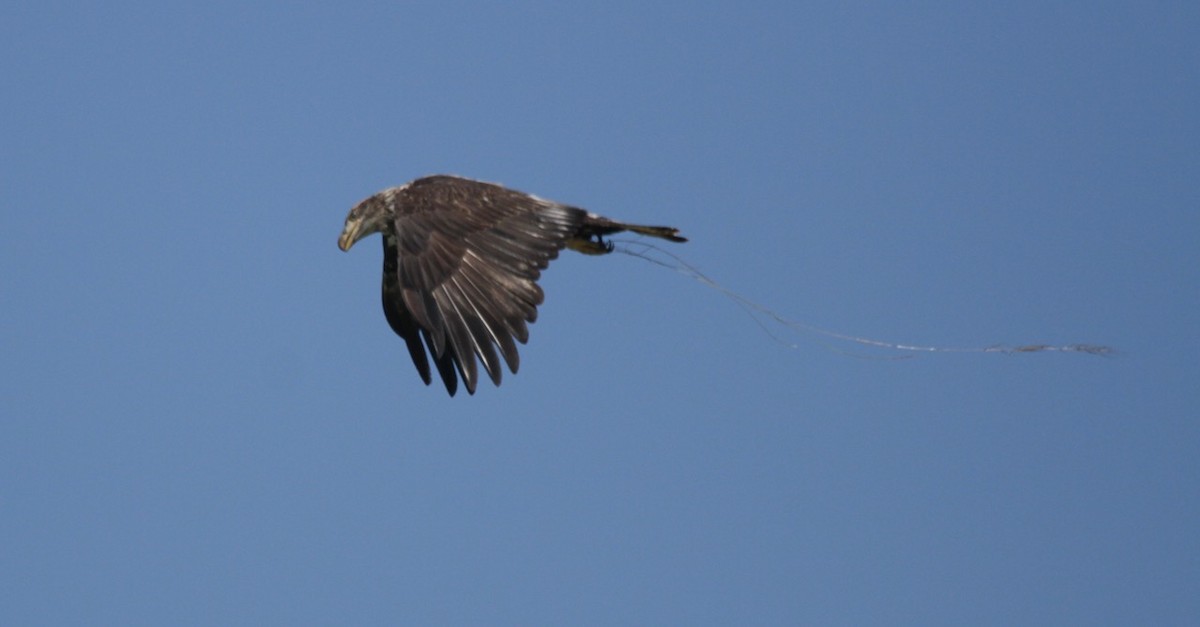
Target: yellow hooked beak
x=349, y=234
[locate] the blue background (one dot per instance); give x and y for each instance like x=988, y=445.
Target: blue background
x=206, y=419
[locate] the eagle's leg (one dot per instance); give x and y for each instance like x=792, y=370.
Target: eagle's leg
x=592, y=244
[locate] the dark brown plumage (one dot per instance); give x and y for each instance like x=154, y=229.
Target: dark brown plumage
x=461, y=260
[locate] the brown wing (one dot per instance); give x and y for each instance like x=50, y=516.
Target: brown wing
x=466, y=258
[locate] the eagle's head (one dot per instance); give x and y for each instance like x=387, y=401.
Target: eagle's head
x=367, y=217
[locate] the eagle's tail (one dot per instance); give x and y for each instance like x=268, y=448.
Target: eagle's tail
x=600, y=225
x=665, y=232
x=589, y=238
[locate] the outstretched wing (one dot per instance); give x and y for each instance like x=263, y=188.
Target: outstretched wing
x=461, y=266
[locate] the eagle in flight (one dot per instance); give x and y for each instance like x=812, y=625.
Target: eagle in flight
x=461, y=260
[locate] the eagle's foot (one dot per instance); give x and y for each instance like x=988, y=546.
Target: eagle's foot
x=593, y=244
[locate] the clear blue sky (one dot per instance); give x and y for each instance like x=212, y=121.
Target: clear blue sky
x=206, y=420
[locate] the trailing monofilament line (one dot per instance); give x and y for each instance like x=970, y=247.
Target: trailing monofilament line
x=647, y=251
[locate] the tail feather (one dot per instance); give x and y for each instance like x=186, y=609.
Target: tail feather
x=589, y=238
x=665, y=232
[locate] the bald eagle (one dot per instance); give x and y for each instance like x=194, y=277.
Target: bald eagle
x=461, y=260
